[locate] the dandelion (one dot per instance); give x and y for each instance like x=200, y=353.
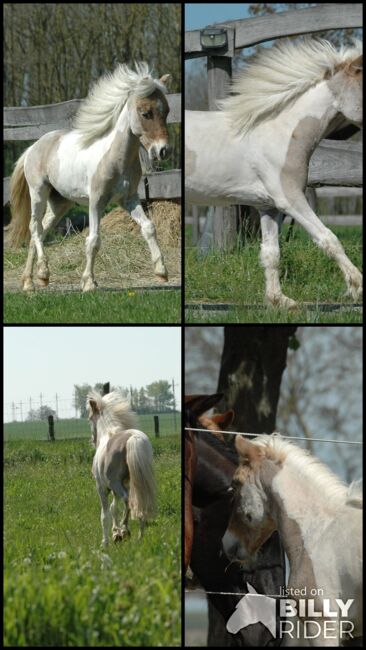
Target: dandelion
x=61, y=555
x=27, y=560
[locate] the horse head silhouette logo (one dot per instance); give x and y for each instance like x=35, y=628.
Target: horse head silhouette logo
x=253, y=608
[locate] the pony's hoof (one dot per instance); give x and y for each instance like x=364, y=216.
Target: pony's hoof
x=117, y=537
x=161, y=278
x=28, y=284
x=89, y=285
x=125, y=533
x=43, y=282
x=282, y=302
x=161, y=272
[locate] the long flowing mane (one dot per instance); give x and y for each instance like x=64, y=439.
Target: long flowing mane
x=102, y=107
x=306, y=465
x=279, y=75
x=115, y=412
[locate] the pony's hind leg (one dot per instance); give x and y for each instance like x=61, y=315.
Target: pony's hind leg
x=56, y=208
x=270, y=259
x=142, y=528
x=38, y=207
x=119, y=492
x=134, y=207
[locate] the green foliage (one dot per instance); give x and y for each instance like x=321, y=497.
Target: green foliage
x=59, y=588
x=80, y=428
x=307, y=275
x=120, y=307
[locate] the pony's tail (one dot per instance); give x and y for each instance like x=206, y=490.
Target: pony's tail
x=142, y=496
x=18, y=231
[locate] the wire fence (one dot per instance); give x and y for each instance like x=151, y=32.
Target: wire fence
x=28, y=420
x=256, y=435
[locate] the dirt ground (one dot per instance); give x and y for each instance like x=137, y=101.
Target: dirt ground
x=124, y=259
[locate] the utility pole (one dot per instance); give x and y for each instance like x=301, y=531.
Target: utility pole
x=174, y=406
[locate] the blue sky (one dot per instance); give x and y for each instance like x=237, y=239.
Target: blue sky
x=200, y=15
x=51, y=360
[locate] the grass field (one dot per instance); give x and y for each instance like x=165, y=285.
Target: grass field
x=128, y=290
x=60, y=589
x=120, y=307
x=307, y=275
x=79, y=428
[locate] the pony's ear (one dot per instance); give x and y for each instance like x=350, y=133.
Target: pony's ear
x=165, y=79
x=224, y=420
x=248, y=453
x=93, y=407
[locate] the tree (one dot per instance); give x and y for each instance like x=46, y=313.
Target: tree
x=252, y=364
x=41, y=414
x=80, y=395
x=161, y=394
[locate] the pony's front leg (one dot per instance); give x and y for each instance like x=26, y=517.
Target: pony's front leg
x=105, y=516
x=134, y=207
x=270, y=259
x=301, y=211
x=92, y=245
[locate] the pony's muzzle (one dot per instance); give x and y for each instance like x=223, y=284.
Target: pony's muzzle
x=159, y=151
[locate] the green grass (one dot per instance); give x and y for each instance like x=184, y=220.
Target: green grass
x=60, y=589
x=307, y=275
x=80, y=428
x=96, y=307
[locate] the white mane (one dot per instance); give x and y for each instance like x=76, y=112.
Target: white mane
x=306, y=465
x=278, y=76
x=115, y=412
x=101, y=109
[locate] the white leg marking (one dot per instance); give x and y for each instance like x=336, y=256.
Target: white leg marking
x=134, y=207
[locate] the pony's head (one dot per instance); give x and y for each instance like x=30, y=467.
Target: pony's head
x=141, y=94
x=108, y=414
x=252, y=507
x=346, y=86
x=147, y=116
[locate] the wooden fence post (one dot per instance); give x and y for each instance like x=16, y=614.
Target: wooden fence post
x=51, y=429
x=106, y=388
x=219, y=70
x=156, y=426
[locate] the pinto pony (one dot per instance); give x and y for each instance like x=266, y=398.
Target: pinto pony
x=93, y=163
x=281, y=487
x=123, y=464
x=256, y=150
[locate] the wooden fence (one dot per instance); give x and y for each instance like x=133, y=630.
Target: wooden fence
x=31, y=122
x=334, y=163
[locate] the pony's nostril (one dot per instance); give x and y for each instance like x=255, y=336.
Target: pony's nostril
x=248, y=517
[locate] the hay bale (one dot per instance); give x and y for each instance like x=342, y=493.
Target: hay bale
x=166, y=216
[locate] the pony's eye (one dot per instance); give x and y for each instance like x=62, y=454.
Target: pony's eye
x=147, y=114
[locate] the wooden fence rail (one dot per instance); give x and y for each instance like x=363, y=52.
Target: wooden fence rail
x=31, y=122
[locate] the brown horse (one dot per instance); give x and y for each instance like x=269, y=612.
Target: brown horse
x=195, y=405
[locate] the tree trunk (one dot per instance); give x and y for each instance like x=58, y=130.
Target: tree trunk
x=252, y=364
